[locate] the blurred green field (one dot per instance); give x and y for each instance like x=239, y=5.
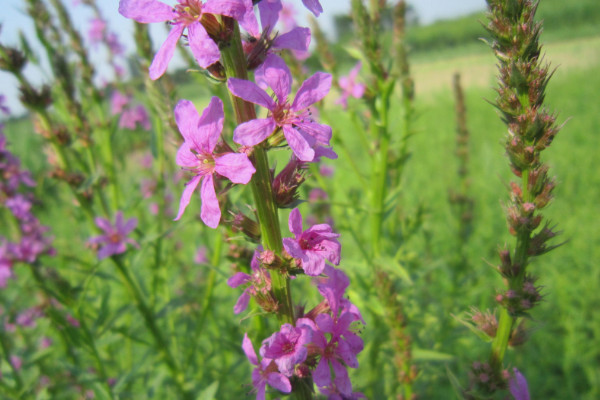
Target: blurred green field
x=562, y=358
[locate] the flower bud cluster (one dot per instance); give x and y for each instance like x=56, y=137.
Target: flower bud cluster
x=518, y=301
x=487, y=379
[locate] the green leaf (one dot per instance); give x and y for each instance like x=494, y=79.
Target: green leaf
x=209, y=392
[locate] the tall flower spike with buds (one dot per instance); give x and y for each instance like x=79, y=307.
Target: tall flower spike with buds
x=300, y=131
x=197, y=154
x=193, y=15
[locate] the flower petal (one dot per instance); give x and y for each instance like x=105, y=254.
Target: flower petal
x=235, y=166
x=187, y=119
x=210, y=125
x=249, y=350
x=295, y=222
x=296, y=39
x=242, y=302
x=235, y=9
x=277, y=75
x=250, y=91
x=238, y=279
x=204, y=49
x=210, y=212
x=165, y=53
x=187, y=195
x=299, y=143
x=322, y=374
x=342, y=380
x=269, y=14
x=314, y=6
x=185, y=157
x=146, y=11
x=321, y=132
x=253, y=132
x=312, y=90
x=279, y=382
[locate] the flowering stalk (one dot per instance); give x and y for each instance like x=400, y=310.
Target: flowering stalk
x=234, y=62
x=531, y=129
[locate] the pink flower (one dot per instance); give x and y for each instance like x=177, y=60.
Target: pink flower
x=300, y=131
x=296, y=39
x=197, y=154
x=4, y=109
x=114, y=238
x=132, y=117
x=259, y=283
x=118, y=102
x=288, y=346
x=312, y=246
x=187, y=14
x=96, y=31
x=200, y=257
x=265, y=372
x=350, y=87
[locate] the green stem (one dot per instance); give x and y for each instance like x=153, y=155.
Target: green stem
x=234, y=62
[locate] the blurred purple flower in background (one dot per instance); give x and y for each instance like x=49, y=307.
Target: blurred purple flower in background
x=96, y=31
x=115, y=238
x=350, y=87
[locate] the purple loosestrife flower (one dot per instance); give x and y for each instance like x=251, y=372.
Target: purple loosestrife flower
x=288, y=346
x=3, y=108
x=197, y=154
x=266, y=372
x=115, y=237
x=350, y=87
x=300, y=131
x=296, y=39
x=188, y=14
x=6, y=263
x=518, y=386
x=312, y=246
x=118, y=102
x=259, y=283
x=131, y=117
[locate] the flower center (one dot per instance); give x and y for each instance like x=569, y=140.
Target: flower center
x=188, y=11
x=282, y=115
x=114, y=238
x=205, y=164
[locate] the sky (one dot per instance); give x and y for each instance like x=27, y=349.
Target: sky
x=14, y=19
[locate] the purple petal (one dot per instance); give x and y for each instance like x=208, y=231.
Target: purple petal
x=325, y=323
x=248, y=21
x=238, y=279
x=235, y=166
x=187, y=195
x=235, y=9
x=279, y=382
x=242, y=302
x=104, y=224
x=314, y=6
x=187, y=119
x=204, y=49
x=295, y=222
x=342, y=380
x=210, y=125
x=322, y=374
x=146, y=11
x=165, y=53
x=293, y=248
x=129, y=226
x=296, y=39
x=320, y=132
x=185, y=157
x=518, y=386
x=269, y=13
x=250, y=91
x=249, y=350
x=314, y=265
x=312, y=90
x=299, y=143
x=210, y=212
x=346, y=354
x=277, y=75
x=253, y=132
